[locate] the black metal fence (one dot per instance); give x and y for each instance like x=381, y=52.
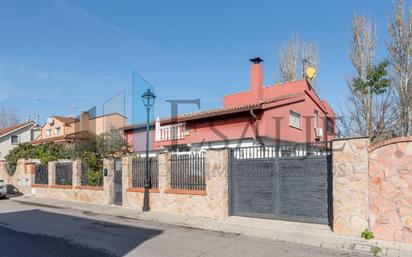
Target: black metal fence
x=283, y=150
x=188, y=171
x=41, y=175
x=139, y=169
x=89, y=177
x=64, y=173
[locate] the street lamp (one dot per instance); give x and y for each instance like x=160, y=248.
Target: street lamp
x=148, y=100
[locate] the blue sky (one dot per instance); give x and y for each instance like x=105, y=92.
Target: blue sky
x=75, y=54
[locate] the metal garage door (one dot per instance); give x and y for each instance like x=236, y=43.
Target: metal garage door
x=290, y=182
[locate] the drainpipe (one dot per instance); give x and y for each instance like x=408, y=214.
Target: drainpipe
x=256, y=121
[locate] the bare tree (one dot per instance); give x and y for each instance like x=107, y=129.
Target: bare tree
x=400, y=52
x=8, y=117
x=369, y=101
x=288, y=59
x=310, y=57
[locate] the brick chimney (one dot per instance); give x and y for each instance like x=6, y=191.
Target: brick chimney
x=84, y=121
x=256, y=79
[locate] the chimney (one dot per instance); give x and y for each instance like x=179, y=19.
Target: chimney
x=256, y=79
x=84, y=121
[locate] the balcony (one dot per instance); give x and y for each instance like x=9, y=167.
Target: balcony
x=170, y=132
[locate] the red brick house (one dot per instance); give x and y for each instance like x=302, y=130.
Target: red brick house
x=288, y=112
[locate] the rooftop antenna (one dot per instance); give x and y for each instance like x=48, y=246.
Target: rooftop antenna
x=36, y=115
x=73, y=108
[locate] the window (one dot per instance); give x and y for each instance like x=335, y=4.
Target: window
x=316, y=119
x=14, y=139
x=330, y=126
x=48, y=132
x=57, y=131
x=295, y=120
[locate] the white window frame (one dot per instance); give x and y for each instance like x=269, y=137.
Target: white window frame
x=316, y=118
x=48, y=132
x=14, y=136
x=291, y=113
x=57, y=130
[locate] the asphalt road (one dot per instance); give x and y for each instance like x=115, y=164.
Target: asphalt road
x=28, y=230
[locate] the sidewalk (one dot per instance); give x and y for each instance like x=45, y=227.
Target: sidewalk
x=291, y=232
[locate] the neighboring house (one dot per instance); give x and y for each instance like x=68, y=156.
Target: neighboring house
x=136, y=137
x=10, y=137
x=60, y=129
x=288, y=112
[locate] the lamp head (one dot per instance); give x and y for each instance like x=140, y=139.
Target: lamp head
x=148, y=98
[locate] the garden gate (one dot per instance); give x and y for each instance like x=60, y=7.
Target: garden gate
x=118, y=192
x=287, y=182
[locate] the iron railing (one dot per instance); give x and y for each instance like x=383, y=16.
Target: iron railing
x=282, y=150
x=41, y=174
x=188, y=171
x=64, y=173
x=139, y=169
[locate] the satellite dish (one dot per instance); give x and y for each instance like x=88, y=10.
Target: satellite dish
x=310, y=72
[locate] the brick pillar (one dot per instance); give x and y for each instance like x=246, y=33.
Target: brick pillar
x=23, y=173
x=163, y=162
x=77, y=173
x=52, y=173
x=217, y=183
x=31, y=167
x=350, y=186
x=108, y=180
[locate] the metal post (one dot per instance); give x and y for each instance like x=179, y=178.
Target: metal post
x=147, y=177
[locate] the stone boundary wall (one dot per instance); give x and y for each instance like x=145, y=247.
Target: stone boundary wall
x=20, y=181
x=23, y=182
x=390, y=189
x=372, y=188
x=211, y=203
x=350, y=186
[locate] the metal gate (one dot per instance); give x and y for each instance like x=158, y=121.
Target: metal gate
x=118, y=188
x=287, y=182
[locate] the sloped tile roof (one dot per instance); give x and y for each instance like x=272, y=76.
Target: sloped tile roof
x=231, y=109
x=219, y=111
x=7, y=130
x=67, y=120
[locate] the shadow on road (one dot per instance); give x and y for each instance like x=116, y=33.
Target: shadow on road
x=12, y=191
x=38, y=233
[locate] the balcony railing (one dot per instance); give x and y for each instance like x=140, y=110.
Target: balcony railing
x=170, y=132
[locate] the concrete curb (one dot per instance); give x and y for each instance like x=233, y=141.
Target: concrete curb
x=290, y=232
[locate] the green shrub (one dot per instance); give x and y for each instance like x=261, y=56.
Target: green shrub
x=377, y=250
x=367, y=234
x=43, y=152
x=22, y=151
x=94, y=164
x=48, y=152
x=94, y=178
x=89, y=147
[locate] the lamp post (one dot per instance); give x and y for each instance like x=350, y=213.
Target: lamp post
x=148, y=100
